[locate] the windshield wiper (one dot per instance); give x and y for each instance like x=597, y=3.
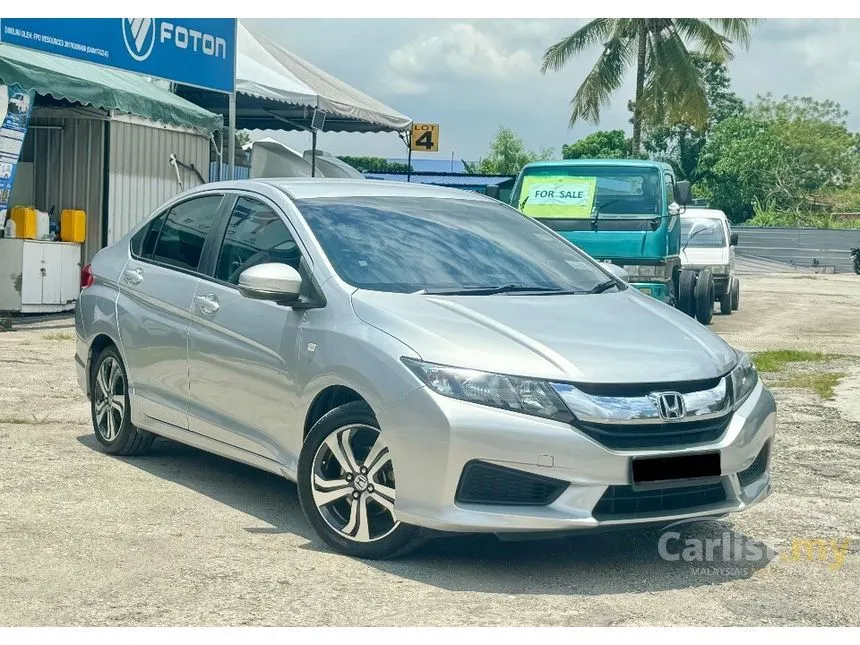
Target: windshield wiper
x=597, y=210
x=489, y=291
x=603, y=286
x=691, y=236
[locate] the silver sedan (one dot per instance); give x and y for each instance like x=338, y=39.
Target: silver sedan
x=419, y=360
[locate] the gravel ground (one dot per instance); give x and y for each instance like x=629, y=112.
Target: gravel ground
x=185, y=538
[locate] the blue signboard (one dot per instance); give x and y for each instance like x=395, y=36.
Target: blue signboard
x=192, y=51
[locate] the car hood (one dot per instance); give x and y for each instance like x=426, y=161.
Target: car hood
x=703, y=256
x=619, y=337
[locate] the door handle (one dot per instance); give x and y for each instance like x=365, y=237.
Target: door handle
x=208, y=304
x=133, y=276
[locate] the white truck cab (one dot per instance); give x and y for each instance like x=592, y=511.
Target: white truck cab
x=707, y=242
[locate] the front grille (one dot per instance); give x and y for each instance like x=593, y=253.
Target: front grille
x=620, y=502
x=633, y=436
x=757, y=468
x=483, y=483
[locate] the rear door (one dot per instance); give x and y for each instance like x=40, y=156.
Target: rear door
x=242, y=352
x=154, y=307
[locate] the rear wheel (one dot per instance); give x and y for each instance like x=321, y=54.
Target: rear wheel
x=111, y=410
x=704, y=297
x=736, y=294
x=347, y=485
x=726, y=303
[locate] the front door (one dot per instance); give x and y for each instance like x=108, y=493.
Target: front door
x=154, y=309
x=242, y=352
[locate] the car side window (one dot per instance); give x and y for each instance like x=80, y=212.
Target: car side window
x=670, y=188
x=255, y=235
x=183, y=232
x=143, y=242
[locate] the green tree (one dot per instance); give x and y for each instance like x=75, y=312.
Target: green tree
x=668, y=85
x=507, y=155
x=374, y=164
x=680, y=144
x=603, y=144
x=777, y=156
x=242, y=137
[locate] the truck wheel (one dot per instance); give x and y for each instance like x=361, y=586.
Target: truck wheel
x=736, y=294
x=686, y=292
x=704, y=297
x=726, y=304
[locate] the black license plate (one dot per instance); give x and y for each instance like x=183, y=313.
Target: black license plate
x=649, y=470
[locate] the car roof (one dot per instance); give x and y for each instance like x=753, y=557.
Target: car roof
x=624, y=163
x=710, y=213
x=312, y=188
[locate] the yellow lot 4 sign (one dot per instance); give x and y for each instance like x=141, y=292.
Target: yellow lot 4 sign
x=425, y=137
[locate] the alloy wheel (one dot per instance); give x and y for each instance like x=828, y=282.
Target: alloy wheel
x=109, y=399
x=353, y=483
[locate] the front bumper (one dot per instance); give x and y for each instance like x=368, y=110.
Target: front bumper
x=433, y=438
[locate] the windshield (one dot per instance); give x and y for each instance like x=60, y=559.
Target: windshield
x=707, y=232
x=579, y=191
x=407, y=244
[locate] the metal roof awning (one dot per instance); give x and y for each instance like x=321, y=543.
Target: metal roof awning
x=277, y=90
x=101, y=87
x=446, y=179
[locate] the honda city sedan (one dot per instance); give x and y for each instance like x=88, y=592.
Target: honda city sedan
x=419, y=360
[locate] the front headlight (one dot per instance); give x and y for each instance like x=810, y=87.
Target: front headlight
x=744, y=378
x=658, y=272
x=529, y=396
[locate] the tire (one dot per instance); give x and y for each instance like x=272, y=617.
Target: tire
x=704, y=297
x=350, y=433
x=736, y=294
x=726, y=303
x=686, y=292
x=110, y=408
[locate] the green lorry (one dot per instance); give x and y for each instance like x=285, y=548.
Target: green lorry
x=623, y=211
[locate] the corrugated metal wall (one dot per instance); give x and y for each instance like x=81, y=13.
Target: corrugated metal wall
x=68, y=161
x=139, y=175
x=799, y=246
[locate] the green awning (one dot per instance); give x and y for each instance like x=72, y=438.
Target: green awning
x=101, y=87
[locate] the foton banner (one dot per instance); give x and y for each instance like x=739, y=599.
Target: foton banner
x=193, y=51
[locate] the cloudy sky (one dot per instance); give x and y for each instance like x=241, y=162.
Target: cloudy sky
x=471, y=76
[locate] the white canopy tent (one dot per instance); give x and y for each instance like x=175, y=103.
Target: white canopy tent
x=277, y=90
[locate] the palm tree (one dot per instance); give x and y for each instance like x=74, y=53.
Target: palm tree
x=667, y=82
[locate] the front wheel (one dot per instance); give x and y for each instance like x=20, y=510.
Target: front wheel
x=736, y=294
x=347, y=486
x=857, y=266
x=686, y=292
x=704, y=297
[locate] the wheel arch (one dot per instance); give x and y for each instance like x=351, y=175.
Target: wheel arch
x=326, y=400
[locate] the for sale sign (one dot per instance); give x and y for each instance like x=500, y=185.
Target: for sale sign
x=558, y=197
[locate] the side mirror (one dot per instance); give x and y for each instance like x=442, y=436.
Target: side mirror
x=683, y=192
x=733, y=240
x=273, y=281
x=618, y=271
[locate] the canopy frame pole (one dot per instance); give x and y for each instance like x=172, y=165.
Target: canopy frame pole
x=409, y=156
x=313, y=153
x=231, y=162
